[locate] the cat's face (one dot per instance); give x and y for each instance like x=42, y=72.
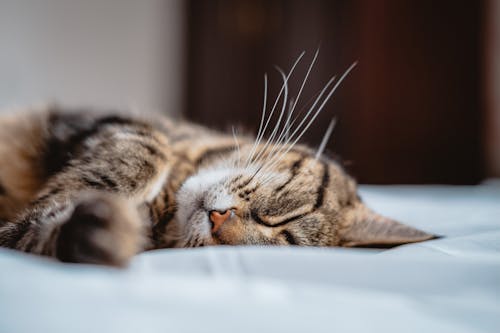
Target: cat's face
x=298, y=200
x=276, y=193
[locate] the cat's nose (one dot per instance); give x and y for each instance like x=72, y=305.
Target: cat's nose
x=218, y=218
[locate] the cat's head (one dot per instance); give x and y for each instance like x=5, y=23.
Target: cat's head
x=298, y=199
x=280, y=193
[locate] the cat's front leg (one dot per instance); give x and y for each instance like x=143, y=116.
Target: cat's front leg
x=88, y=211
x=102, y=229
x=97, y=228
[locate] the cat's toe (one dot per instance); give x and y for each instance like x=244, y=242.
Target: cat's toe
x=102, y=230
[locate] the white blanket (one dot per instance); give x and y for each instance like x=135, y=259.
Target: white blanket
x=446, y=285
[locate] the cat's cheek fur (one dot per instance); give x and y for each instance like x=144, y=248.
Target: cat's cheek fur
x=191, y=194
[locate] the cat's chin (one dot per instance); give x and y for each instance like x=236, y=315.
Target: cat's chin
x=216, y=240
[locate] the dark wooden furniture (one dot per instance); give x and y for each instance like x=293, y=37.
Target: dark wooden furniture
x=411, y=111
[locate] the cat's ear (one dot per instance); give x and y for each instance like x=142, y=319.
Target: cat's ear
x=365, y=228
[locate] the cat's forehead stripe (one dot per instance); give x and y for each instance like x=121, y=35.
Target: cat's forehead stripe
x=320, y=196
x=324, y=184
x=294, y=170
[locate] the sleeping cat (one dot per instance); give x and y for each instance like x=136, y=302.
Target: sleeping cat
x=101, y=187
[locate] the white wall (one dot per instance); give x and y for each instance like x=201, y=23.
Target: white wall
x=103, y=53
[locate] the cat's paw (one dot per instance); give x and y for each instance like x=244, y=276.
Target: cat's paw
x=103, y=229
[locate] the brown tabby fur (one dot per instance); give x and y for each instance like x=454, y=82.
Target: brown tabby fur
x=98, y=188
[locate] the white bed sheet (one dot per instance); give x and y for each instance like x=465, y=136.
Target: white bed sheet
x=446, y=285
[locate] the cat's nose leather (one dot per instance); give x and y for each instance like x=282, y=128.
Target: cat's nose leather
x=218, y=218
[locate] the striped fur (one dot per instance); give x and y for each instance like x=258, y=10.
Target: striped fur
x=98, y=188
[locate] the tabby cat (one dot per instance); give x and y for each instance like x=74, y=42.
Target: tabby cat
x=100, y=187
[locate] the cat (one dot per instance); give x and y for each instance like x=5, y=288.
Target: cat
x=98, y=188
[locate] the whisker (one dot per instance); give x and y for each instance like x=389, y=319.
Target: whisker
x=270, y=141
x=259, y=133
x=283, y=88
x=320, y=108
x=288, y=118
x=305, y=80
x=307, y=106
x=311, y=110
x=325, y=100
x=237, y=147
x=284, y=146
x=285, y=133
x=324, y=141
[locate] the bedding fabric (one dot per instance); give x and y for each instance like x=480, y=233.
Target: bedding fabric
x=446, y=285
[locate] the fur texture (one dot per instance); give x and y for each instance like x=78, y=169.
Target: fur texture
x=98, y=188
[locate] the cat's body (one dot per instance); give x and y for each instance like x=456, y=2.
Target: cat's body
x=98, y=188
x=53, y=161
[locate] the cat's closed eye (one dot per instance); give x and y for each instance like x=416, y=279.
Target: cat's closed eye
x=289, y=238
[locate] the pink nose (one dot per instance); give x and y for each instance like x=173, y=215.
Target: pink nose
x=218, y=218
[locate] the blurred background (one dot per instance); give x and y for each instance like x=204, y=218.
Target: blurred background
x=422, y=106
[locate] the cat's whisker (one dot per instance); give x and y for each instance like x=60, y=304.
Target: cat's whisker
x=283, y=146
x=286, y=141
x=259, y=133
x=236, y=164
x=326, y=137
x=285, y=134
x=300, y=115
x=283, y=108
x=312, y=112
x=289, y=116
x=316, y=113
x=304, y=81
x=271, y=141
x=258, y=168
x=267, y=178
x=325, y=100
x=278, y=98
